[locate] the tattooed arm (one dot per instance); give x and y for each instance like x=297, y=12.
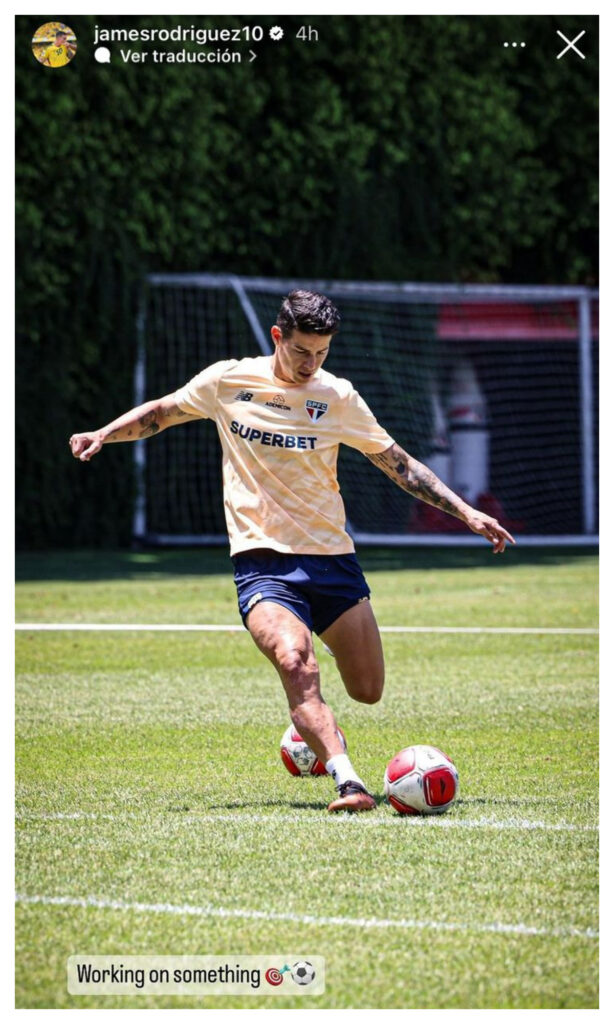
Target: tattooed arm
x=143, y=421
x=417, y=479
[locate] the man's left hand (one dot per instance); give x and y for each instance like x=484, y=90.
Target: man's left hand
x=490, y=528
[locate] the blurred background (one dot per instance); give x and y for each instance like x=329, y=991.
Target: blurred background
x=393, y=149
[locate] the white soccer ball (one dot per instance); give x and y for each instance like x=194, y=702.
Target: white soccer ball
x=298, y=756
x=421, y=780
x=303, y=972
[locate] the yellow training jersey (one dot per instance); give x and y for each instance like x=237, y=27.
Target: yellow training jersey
x=280, y=443
x=57, y=56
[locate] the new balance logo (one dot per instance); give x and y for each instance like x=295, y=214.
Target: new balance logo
x=244, y=396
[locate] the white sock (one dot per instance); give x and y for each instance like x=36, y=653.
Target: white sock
x=341, y=770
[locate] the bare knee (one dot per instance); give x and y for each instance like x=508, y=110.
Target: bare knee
x=367, y=696
x=368, y=690
x=296, y=662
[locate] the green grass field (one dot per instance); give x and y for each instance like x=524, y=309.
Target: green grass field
x=153, y=808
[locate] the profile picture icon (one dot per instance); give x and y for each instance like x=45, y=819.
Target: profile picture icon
x=54, y=44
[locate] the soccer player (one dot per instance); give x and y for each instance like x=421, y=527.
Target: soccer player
x=60, y=53
x=280, y=420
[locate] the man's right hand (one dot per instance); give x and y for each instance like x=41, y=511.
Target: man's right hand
x=135, y=425
x=84, y=446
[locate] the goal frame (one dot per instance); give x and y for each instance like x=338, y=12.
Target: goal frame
x=383, y=291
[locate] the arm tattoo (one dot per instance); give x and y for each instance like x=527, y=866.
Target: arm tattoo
x=415, y=478
x=149, y=423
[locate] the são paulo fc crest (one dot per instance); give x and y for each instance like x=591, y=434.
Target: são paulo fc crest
x=315, y=410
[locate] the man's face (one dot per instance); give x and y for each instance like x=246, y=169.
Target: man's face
x=298, y=357
x=60, y=39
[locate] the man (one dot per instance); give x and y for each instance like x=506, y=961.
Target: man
x=281, y=419
x=60, y=53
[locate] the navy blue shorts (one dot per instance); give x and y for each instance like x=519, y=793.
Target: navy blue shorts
x=317, y=588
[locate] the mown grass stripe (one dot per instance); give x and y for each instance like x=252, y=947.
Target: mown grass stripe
x=208, y=910
x=362, y=822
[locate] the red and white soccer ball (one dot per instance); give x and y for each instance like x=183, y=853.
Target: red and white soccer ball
x=421, y=780
x=298, y=757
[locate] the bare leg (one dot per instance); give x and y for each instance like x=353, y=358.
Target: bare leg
x=355, y=642
x=286, y=641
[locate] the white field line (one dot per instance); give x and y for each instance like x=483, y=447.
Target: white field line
x=283, y=819
x=208, y=910
x=164, y=627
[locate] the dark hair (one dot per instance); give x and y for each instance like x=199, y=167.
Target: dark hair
x=309, y=313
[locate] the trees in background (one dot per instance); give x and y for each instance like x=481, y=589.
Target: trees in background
x=393, y=148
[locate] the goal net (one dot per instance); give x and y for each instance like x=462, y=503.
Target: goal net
x=493, y=387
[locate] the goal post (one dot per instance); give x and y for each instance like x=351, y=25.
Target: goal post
x=494, y=387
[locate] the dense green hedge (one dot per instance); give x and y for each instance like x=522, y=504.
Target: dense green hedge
x=395, y=148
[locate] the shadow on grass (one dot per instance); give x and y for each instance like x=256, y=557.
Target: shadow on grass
x=92, y=566
x=282, y=805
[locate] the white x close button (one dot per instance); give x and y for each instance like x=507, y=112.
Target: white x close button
x=571, y=44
